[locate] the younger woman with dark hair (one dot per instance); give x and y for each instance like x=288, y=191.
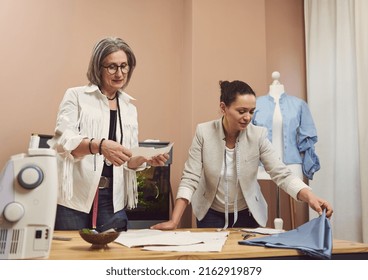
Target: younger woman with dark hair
x=220, y=174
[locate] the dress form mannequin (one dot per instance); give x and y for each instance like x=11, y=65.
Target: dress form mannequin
x=276, y=90
x=291, y=130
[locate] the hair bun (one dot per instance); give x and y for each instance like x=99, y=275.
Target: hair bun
x=223, y=84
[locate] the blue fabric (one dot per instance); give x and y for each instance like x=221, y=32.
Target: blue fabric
x=299, y=131
x=310, y=159
x=313, y=238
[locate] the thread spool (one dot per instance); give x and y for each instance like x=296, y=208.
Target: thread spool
x=279, y=223
x=34, y=141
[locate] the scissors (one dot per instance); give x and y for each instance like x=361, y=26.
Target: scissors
x=247, y=235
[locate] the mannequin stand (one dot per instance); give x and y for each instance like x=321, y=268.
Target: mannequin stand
x=278, y=222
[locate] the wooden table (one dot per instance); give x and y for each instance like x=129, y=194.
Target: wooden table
x=77, y=248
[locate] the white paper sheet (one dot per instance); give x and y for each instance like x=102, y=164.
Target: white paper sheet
x=149, y=152
x=212, y=242
x=178, y=241
x=144, y=237
x=262, y=230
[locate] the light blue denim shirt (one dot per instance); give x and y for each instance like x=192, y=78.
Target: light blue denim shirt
x=299, y=131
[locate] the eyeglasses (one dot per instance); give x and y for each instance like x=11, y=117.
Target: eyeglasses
x=113, y=68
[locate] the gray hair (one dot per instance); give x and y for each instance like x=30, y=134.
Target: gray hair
x=100, y=51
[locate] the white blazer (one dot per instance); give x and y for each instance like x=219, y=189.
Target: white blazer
x=201, y=175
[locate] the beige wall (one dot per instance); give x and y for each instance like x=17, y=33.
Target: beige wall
x=184, y=47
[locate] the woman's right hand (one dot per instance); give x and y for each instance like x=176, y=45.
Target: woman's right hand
x=115, y=153
x=180, y=205
x=165, y=225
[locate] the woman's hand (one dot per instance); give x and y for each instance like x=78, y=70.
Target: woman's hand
x=165, y=225
x=159, y=160
x=180, y=205
x=135, y=162
x=115, y=153
x=314, y=202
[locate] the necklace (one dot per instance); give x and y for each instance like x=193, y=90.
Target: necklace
x=116, y=94
x=111, y=98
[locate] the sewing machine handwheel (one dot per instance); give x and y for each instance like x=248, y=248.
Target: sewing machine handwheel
x=30, y=177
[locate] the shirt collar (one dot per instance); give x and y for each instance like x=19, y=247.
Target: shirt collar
x=220, y=127
x=93, y=88
x=282, y=96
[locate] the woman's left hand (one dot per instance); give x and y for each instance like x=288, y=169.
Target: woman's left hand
x=159, y=160
x=316, y=203
x=319, y=205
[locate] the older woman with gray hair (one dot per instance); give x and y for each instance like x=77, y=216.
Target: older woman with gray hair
x=97, y=126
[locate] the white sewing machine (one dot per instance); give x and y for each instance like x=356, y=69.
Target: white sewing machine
x=28, y=199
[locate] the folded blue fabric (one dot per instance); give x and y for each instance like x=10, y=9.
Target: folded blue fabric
x=313, y=238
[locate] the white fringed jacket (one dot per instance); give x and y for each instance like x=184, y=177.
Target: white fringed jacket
x=84, y=112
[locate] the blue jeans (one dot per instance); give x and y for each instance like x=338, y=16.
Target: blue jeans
x=70, y=219
x=215, y=219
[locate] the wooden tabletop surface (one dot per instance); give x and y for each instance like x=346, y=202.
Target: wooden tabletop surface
x=74, y=247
